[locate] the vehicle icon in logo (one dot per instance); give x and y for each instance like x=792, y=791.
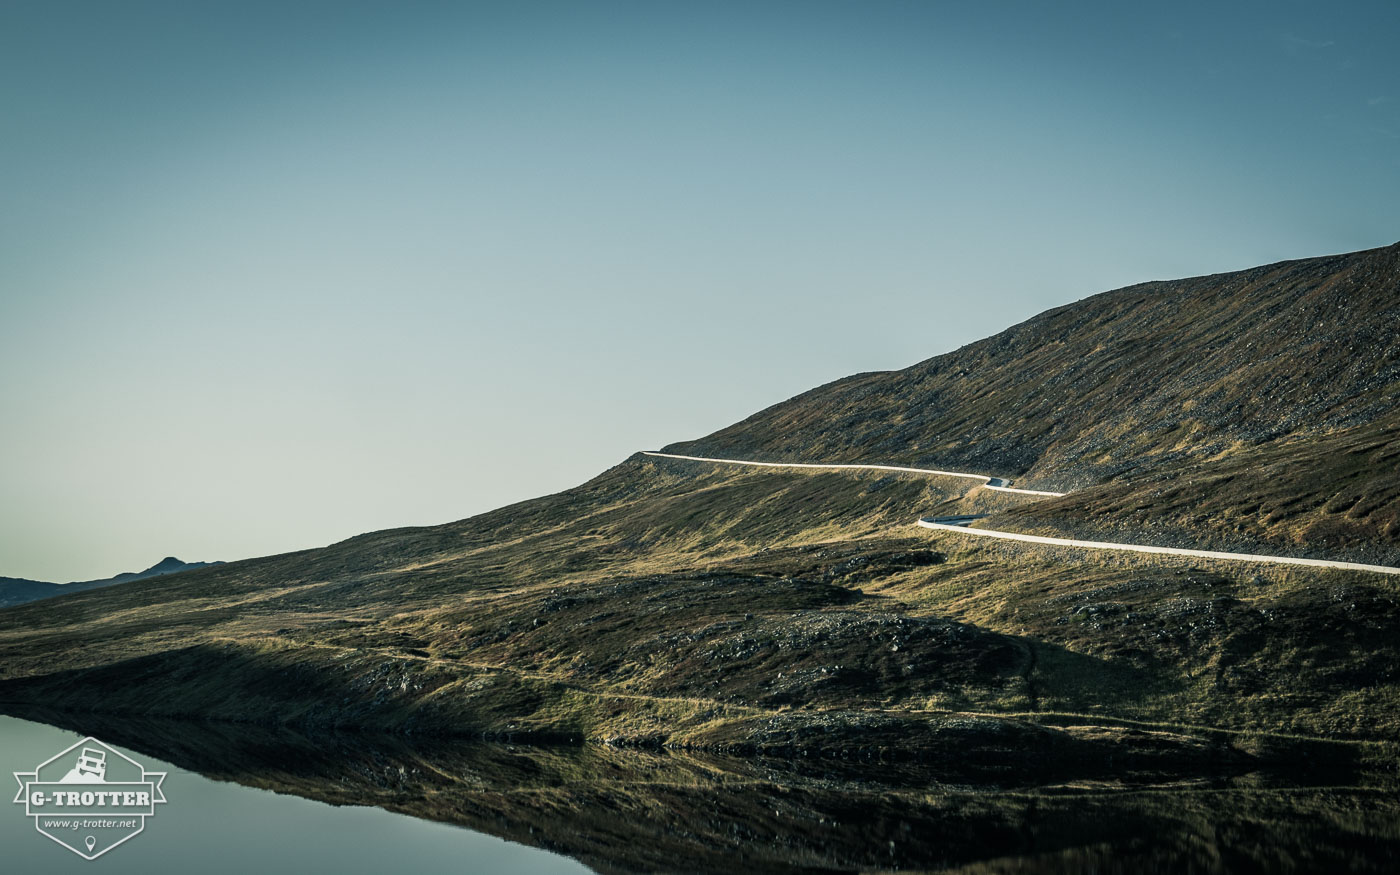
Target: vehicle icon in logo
x=91, y=768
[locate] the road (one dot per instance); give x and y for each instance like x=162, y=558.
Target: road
x=962, y=524
x=996, y=483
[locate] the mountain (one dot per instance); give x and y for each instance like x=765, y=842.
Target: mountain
x=17, y=590
x=1119, y=382
x=1234, y=410
x=799, y=612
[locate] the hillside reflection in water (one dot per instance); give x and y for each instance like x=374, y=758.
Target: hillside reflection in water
x=644, y=811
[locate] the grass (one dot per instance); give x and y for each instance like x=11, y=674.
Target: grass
x=1332, y=496
x=1128, y=382
x=683, y=604
x=675, y=602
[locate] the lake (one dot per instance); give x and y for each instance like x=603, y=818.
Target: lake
x=213, y=826
x=245, y=798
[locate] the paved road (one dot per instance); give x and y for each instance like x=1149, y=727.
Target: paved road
x=997, y=483
x=962, y=524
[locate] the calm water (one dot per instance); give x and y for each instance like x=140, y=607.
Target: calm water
x=215, y=827
x=404, y=806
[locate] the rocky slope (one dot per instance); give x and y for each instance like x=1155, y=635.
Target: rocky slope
x=680, y=604
x=1125, y=381
x=1334, y=495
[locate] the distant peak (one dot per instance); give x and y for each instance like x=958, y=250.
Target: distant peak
x=169, y=563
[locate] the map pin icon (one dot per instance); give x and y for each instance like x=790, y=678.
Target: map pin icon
x=90, y=842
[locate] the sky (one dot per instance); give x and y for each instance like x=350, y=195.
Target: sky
x=273, y=274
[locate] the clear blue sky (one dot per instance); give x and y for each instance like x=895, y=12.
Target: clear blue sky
x=275, y=274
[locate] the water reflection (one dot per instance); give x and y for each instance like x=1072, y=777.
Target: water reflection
x=627, y=810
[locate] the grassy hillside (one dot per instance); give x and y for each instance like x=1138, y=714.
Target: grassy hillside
x=641, y=608
x=1250, y=411
x=797, y=613
x=1124, y=381
x=1333, y=495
